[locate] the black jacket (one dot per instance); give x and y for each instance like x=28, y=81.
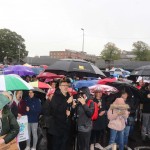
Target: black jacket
x=58, y=107
x=101, y=121
x=146, y=102
x=85, y=113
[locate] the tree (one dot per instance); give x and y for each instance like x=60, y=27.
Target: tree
x=110, y=52
x=11, y=46
x=141, y=50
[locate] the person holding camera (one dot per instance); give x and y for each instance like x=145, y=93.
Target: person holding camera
x=84, y=121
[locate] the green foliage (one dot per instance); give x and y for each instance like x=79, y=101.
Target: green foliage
x=141, y=50
x=10, y=45
x=110, y=52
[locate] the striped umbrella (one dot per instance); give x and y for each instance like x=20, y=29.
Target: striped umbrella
x=13, y=83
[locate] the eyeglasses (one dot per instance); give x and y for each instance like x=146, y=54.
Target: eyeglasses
x=65, y=85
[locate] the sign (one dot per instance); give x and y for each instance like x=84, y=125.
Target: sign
x=81, y=67
x=23, y=133
x=10, y=146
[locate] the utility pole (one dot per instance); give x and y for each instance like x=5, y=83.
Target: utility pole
x=83, y=40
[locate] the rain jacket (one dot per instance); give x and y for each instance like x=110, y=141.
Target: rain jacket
x=34, y=105
x=10, y=127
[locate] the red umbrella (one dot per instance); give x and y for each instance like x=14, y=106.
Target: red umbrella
x=106, y=80
x=40, y=85
x=72, y=91
x=44, y=66
x=49, y=75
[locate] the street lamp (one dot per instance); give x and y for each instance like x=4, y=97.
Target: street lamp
x=83, y=40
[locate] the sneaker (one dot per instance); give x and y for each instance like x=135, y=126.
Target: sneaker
x=33, y=148
x=92, y=147
x=97, y=145
x=27, y=148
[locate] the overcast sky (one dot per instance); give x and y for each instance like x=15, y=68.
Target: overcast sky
x=56, y=24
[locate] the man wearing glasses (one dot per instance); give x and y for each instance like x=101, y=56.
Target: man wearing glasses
x=60, y=110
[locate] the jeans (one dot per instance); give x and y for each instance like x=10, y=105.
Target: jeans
x=126, y=134
x=32, y=127
x=117, y=134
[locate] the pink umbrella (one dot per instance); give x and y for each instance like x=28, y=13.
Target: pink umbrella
x=103, y=88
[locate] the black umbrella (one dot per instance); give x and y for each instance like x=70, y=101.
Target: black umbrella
x=129, y=88
x=75, y=67
x=141, y=71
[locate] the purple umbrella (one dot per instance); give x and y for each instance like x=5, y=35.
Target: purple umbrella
x=19, y=70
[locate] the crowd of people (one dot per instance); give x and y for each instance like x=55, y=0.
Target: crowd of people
x=80, y=121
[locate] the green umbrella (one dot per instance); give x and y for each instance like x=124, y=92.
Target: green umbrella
x=13, y=83
x=3, y=101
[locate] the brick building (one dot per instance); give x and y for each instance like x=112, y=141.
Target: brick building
x=73, y=55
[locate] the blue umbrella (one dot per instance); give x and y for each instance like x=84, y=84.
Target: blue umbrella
x=37, y=70
x=84, y=83
x=19, y=70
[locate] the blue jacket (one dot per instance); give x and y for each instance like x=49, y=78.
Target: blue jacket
x=34, y=105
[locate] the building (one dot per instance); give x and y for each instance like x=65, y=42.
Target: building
x=73, y=55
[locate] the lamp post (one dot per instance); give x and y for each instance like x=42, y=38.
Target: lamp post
x=83, y=40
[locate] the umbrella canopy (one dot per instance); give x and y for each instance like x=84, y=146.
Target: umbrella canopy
x=75, y=66
x=104, y=81
x=72, y=91
x=132, y=91
x=13, y=83
x=103, y=88
x=84, y=83
x=40, y=85
x=3, y=101
x=37, y=70
x=141, y=71
x=19, y=70
x=49, y=75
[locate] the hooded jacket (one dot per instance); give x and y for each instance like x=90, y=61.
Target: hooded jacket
x=34, y=105
x=85, y=112
x=118, y=114
x=10, y=127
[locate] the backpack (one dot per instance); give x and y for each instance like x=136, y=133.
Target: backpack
x=96, y=109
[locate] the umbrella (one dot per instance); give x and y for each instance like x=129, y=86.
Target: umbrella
x=141, y=71
x=3, y=101
x=72, y=91
x=19, y=70
x=84, y=83
x=132, y=91
x=37, y=70
x=75, y=67
x=104, y=81
x=13, y=83
x=49, y=75
x=40, y=85
x=103, y=88
x=44, y=66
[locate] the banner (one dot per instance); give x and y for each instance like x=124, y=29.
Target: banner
x=10, y=146
x=23, y=133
